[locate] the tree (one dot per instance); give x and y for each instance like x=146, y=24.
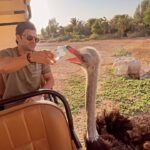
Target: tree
x=61, y=31
x=43, y=33
x=52, y=28
x=75, y=26
x=74, y=21
x=96, y=28
x=104, y=24
x=147, y=16
x=83, y=28
x=90, y=23
x=78, y=28
x=122, y=24
x=68, y=29
x=139, y=12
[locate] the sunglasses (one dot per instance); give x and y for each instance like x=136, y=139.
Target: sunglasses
x=30, y=38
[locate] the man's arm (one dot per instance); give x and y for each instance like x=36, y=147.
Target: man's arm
x=12, y=64
x=2, y=87
x=49, y=81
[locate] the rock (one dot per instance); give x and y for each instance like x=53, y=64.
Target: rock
x=145, y=75
x=127, y=67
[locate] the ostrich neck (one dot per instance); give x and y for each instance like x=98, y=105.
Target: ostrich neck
x=90, y=104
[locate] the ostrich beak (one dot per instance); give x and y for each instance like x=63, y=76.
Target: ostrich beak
x=77, y=59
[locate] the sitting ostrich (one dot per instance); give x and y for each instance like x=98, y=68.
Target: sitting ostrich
x=112, y=131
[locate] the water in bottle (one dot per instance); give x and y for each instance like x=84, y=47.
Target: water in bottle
x=60, y=51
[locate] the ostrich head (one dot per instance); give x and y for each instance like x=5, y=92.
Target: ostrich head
x=86, y=57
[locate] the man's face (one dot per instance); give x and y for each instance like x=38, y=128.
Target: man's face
x=27, y=40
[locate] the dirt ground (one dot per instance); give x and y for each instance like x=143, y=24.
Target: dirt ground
x=140, y=49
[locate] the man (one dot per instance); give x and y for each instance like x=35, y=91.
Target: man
x=22, y=67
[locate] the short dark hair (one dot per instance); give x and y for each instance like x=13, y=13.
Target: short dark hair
x=23, y=26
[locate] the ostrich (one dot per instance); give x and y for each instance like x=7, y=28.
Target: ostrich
x=110, y=131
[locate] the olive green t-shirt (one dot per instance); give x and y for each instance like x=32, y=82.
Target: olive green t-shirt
x=25, y=80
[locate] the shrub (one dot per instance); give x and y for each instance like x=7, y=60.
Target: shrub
x=94, y=37
x=121, y=52
x=64, y=38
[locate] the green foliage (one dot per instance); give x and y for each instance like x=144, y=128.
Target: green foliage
x=122, y=23
x=147, y=16
x=120, y=26
x=51, y=29
x=121, y=52
x=44, y=33
x=96, y=28
x=91, y=22
x=75, y=92
x=136, y=34
x=94, y=36
x=132, y=95
x=64, y=38
x=139, y=12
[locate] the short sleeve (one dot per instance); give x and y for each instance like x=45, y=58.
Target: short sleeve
x=4, y=53
x=46, y=69
x=10, y=52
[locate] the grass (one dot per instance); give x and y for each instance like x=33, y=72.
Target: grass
x=75, y=92
x=132, y=95
x=121, y=52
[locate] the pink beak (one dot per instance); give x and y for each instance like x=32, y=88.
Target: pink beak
x=77, y=59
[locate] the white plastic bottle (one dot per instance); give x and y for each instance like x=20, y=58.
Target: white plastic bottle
x=60, y=51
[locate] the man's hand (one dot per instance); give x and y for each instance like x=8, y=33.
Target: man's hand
x=34, y=99
x=43, y=57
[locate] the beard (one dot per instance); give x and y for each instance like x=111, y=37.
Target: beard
x=30, y=47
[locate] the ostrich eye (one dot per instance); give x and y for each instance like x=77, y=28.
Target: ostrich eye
x=86, y=58
x=83, y=59
x=93, y=67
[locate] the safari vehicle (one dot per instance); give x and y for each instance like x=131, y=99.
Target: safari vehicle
x=35, y=125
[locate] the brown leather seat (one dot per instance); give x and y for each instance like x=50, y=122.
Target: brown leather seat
x=34, y=126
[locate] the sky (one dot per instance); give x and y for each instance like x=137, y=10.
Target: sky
x=64, y=10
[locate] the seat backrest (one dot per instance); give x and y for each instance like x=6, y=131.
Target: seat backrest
x=34, y=126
